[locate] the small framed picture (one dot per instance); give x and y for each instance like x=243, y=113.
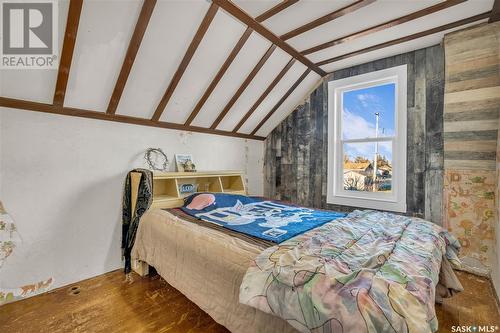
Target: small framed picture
x=184, y=163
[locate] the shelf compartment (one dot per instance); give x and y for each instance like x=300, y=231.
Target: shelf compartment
x=165, y=187
x=232, y=184
x=205, y=184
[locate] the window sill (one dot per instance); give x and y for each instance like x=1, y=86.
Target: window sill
x=392, y=206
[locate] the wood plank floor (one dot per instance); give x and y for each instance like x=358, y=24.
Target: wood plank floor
x=109, y=304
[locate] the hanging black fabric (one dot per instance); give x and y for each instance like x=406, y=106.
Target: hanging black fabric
x=130, y=219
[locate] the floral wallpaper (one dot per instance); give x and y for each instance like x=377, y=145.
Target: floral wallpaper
x=469, y=203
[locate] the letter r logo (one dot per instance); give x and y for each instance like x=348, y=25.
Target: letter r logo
x=27, y=28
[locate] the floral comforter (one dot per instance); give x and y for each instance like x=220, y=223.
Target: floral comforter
x=368, y=272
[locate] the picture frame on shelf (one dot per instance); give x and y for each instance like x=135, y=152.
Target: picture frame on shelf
x=184, y=163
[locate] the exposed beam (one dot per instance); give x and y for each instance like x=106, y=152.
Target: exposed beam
x=65, y=111
x=219, y=75
x=408, y=38
x=327, y=18
x=243, y=86
x=385, y=25
x=241, y=42
x=495, y=12
x=202, y=29
x=264, y=94
x=275, y=10
x=75, y=9
x=133, y=48
x=285, y=96
x=243, y=17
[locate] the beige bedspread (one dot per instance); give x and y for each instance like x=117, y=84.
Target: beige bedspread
x=207, y=266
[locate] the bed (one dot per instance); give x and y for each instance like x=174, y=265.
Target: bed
x=207, y=266
x=249, y=285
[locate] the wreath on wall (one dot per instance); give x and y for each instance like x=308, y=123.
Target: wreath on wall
x=156, y=159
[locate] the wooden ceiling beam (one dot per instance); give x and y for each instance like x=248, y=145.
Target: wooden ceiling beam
x=385, y=25
x=327, y=18
x=195, y=42
x=74, y=12
x=243, y=17
x=408, y=38
x=281, y=101
x=133, y=48
x=236, y=49
x=495, y=12
x=264, y=94
x=243, y=86
x=219, y=76
x=275, y=10
x=66, y=111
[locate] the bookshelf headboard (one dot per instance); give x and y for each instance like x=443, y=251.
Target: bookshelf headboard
x=169, y=188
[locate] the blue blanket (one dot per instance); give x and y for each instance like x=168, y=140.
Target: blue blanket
x=264, y=219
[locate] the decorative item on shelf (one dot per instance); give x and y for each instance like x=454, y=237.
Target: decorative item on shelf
x=156, y=159
x=184, y=163
x=189, y=166
x=188, y=188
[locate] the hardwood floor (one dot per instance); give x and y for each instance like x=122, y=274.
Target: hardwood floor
x=108, y=303
x=476, y=306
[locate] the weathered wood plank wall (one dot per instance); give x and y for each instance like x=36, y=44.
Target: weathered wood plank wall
x=472, y=98
x=471, y=120
x=296, y=151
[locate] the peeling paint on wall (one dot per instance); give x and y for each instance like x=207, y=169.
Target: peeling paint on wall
x=9, y=237
x=469, y=203
x=10, y=295
x=9, y=240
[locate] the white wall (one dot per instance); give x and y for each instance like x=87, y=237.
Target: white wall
x=61, y=180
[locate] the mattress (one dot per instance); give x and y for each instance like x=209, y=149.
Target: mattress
x=207, y=266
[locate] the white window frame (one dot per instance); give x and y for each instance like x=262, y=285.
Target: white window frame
x=336, y=194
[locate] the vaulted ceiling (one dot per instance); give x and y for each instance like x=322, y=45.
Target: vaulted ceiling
x=221, y=67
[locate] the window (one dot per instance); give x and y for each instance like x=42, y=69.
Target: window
x=367, y=140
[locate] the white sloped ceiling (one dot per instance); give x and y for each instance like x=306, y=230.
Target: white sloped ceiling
x=250, y=54
x=169, y=33
x=222, y=35
x=99, y=51
x=106, y=27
